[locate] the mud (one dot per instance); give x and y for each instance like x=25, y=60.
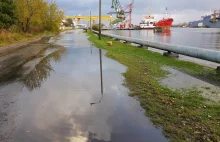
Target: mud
x=179, y=80
x=12, y=58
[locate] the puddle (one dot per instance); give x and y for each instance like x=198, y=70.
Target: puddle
x=54, y=99
x=179, y=80
x=30, y=76
x=22, y=60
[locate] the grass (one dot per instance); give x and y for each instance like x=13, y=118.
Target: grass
x=183, y=115
x=7, y=37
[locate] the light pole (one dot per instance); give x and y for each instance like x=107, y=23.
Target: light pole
x=90, y=23
x=100, y=21
x=90, y=19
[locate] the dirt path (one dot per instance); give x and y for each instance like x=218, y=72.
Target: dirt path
x=6, y=49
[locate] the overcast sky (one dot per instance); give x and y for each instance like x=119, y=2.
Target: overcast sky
x=180, y=10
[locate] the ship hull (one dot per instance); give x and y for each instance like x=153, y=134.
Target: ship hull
x=204, y=23
x=143, y=27
x=146, y=28
x=164, y=23
x=149, y=24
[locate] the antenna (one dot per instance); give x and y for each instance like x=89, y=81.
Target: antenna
x=148, y=10
x=166, y=12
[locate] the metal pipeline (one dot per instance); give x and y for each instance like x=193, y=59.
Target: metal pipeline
x=205, y=54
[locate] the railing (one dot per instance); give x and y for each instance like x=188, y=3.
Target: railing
x=205, y=54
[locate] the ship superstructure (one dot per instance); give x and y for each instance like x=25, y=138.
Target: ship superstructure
x=208, y=21
x=147, y=22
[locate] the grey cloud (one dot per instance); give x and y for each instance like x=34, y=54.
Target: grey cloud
x=140, y=6
x=73, y=7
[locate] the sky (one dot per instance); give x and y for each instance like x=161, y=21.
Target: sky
x=179, y=10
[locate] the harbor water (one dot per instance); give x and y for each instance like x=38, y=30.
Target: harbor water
x=196, y=37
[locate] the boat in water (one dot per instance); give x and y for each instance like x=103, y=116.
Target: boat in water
x=208, y=21
x=147, y=22
x=165, y=23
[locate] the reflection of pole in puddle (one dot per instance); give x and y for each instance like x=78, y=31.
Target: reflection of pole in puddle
x=91, y=50
x=100, y=54
x=101, y=79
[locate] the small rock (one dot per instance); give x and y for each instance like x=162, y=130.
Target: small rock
x=197, y=132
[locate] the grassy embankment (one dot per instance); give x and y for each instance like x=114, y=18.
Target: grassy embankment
x=184, y=115
x=7, y=37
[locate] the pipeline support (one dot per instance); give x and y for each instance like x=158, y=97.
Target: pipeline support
x=171, y=55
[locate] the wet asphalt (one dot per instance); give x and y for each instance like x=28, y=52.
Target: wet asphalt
x=52, y=102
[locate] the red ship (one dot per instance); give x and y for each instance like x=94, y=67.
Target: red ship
x=165, y=23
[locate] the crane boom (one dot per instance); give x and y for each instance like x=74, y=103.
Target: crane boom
x=118, y=9
x=116, y=4
x=122, y=12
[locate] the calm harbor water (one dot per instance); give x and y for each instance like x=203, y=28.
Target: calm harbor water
x=202, y=38
x=52, y=103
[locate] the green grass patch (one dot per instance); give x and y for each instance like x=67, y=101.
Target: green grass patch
x=7, y=37
x=183, y=115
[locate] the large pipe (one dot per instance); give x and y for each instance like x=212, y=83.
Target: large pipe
x=200, y=53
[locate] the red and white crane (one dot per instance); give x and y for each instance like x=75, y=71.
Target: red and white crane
x=123, y=12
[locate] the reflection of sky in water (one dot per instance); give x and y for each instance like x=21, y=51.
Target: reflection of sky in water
x=204, y=38
x=59, y=108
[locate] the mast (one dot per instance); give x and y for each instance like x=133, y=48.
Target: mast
x=166, y=12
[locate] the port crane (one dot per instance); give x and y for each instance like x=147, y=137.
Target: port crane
x=215, y=17
x=122, y=12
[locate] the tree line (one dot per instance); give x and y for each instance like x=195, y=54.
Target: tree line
x=30, y=15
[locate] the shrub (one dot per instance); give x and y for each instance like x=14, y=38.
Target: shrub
x=96, y=27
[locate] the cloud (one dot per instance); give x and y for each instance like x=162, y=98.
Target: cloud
x=181, y=10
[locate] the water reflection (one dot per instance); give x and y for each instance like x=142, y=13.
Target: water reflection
x=42, y=71
x=212, y=38
x=91, y=50
x=60, y=109
x=148, y=34
x=101, y=79
x=129, y=33
x=125, y=33
x=218, y=41
x=166, y=36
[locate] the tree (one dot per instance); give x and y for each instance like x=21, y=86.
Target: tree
x=29, y=12
x=68, y=22
x=7, y=17
x=53, y=17
x=38, y=15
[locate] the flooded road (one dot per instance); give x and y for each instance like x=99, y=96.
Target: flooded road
x=52, y=103
x=202, y=37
